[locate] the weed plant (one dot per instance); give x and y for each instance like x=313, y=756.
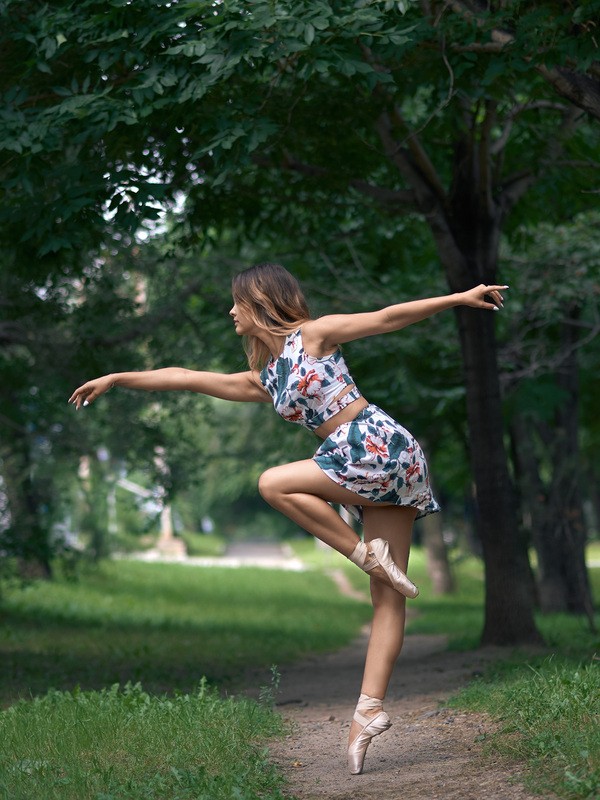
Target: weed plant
x=127, y=744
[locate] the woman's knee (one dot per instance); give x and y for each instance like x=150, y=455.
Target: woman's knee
x=270, y=485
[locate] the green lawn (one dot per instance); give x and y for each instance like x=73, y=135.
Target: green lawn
x=166, y=626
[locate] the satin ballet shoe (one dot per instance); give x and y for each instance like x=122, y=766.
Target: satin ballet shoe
x=372, y=726
x=377, y=553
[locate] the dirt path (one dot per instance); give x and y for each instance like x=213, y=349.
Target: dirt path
x=430, y=753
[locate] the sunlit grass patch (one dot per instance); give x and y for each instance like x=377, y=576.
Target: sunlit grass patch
x=130, y=745
x=166, y=626
x=459, y=616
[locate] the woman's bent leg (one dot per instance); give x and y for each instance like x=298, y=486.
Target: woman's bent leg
x=302, y=492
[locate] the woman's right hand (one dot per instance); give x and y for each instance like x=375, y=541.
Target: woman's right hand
x=91, y=390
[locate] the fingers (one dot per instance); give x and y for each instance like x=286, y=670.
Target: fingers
x=82, y=396
x=495, y=293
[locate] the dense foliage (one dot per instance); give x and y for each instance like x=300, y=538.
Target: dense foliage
x=364, y=145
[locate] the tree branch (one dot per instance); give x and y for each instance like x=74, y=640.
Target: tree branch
x=399, y=158
x=500, y=143
x=479, y=47
x=580, y=89
x=383, y=195
x=420, y=158
x=514, y=187
x=419, y=155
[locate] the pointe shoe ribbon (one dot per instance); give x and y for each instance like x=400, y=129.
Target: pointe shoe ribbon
x=377, y=553
x=372, y=726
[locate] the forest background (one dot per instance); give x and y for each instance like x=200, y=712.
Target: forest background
x=381, y=151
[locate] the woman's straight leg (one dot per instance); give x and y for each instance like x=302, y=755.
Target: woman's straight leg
x=303, y=493
x=394, y=524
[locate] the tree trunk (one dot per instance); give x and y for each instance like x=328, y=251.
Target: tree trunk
x=438, y=565
x=27, y=536
x=509, y=598
x=568, y=490
x=466, y=222
x=564, y=582
x=555, y=505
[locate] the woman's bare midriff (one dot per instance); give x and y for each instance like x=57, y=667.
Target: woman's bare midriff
x=345, y=415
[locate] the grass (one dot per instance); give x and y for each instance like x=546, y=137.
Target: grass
x=550, y=714
x=166, y=626
x=129, y=745
x=459, y=616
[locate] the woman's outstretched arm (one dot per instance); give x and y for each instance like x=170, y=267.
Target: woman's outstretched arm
x=241, y=386
x=339, y=328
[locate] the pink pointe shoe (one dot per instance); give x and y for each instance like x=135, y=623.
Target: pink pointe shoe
x=376, y=553
x=372, y=726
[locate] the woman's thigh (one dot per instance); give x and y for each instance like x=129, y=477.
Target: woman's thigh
x=308, y=478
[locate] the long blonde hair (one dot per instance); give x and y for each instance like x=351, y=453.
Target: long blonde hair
x=273, y=300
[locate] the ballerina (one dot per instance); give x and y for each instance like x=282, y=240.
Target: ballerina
x=366, y=460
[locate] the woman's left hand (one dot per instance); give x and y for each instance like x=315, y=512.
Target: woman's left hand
x=475, y=297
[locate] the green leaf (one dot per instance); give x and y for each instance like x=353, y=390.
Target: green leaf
x=320, y=23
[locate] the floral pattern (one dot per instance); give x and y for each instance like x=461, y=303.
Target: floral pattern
x=304, y=388
x=374, y=456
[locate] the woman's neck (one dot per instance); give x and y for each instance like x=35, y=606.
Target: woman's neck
x=273, y=341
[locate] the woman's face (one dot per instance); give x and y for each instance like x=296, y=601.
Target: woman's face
x=242, y=322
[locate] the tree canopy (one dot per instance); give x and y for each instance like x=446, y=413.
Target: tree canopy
x=386, y=134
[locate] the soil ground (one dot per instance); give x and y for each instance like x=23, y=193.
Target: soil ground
x=431, y=752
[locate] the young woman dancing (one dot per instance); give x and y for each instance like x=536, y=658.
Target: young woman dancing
x=367, y=461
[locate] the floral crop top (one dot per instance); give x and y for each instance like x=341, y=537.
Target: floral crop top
x=304, y=388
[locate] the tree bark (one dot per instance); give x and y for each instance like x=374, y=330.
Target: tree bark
x=563, y=549
x=509, y=597
x=555, y=506
x=438, y=565
x=27, y=536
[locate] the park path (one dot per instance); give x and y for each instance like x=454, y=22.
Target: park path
x=269, y=555
x=272, y=555
x=430, y=753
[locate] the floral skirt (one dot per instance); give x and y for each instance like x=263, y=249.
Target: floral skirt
x=374, y=456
